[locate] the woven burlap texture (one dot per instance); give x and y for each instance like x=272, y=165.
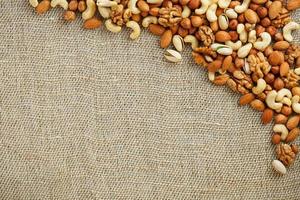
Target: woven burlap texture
x=94, y=115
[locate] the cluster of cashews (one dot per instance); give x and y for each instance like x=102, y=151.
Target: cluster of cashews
x=209, y=7
x=275, y=100
x=62, y=3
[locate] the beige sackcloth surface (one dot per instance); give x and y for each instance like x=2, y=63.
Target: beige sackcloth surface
x=94, y=115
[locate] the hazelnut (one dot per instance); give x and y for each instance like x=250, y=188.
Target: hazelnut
x=262, y=12
x=239, y=62
x=69, y=15
x=182, y=31
x=280, y=119
x=234, y=35
x=278, y=83
x=253, y=6
x=259, y=29
x=186, y=23
x=275, y=69
x=268, y=51
x=194, y=4
x=278, y=37
x=241, y=18
x=271, y=30
x=73, y=5
x=214, y=26
x=154, y=11
x=269, y=78
x=233, y=24
x=286, y=110
x=81, y=6
x=276, y=138
x=265, y=22
x=276, y=58
x=196, y=21
x=233, y=4
x=253, y=51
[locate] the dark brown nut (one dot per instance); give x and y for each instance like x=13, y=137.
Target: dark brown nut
x=233, y=24
x=269, y=78
x=298, y=62
x=286, y=110
x=234, y=35
x=259, y=29
x=81, y=6
x=73, y=5
x=182, y=31
x=271, y=30
x=241, y=18
x=69, y=15
x=194, y=4
x=262, y=12
x=186, y=23
x=265, y=22
x=278, y=84
x=196, y=21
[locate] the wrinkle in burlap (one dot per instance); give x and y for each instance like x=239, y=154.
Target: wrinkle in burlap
x=94, y=115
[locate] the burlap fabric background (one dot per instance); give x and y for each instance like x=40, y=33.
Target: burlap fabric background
x=93, y=115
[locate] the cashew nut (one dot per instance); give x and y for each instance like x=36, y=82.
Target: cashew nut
x=234, y=45
x=244, y=50
x=211, y=13
x=231, y=14
x=287, y=30
x=204, y=6
x=62, y=3
x=243, y=7
x=297, y=71
x=296, y=104
x=136, y=29
x=280, y=128
x=104, y=12
x=286, y=101
x=149, y=20
x=186, y=12
x=155, y=1
x=191, y=39
x=270, y=100
x=106, y=3
x=252, y=36
x=34, y=3
x=211, y=76
x=224, y=3
x=112, y=27
x=264, y=43
x=223, y=22
x=242, y=32
x=283, y=93
x=261, y=86
x=90, y=10
x=132, y=7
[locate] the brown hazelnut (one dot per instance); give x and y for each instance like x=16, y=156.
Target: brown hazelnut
x=136, y=17
x=286, y=110
x=233, y=24
x=144, y=14
x=254, y=77
x=186, y=23
x=253, y=51
x=268, y=51
x=269, y=78
x=278, y=37
x=276, y=138
x=233, y=4
x=239, y=62
x=271, y=30
x=214, y=26
x=81, y=6
x=73, y=5
x=167, y=4
x=234, y=35
x=196, y=21
x=275, y=69
x=69, y=15
x=174, y=29
x=280, y=119
x=262, y=12
x=278, y=83
x=265, y=22
x=276, y=58
x=253, y=6
x=194, y=4
x=241, y=18
x=182, y=31
x=259, y=29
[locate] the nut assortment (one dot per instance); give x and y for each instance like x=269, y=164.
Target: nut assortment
x=244, y=44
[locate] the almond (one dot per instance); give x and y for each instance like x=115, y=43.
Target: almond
x=284, y=69
x=276, y=58
x=293, y=122
x=193, y=4
x=221, y=80
x=246, y=99
x=251, y=16
x=257, y=105
x=214, y=66
x=293, y=4
x=156, y=29
x=293, y=134
x=43, y=7
x=276, y=138
x=166, y=39
x=281, y=45
x=222, y=36
x=267, y=116
x=143, y=6
x=280, y=119
x=227, y=62
x=274, y=9
x=92, y=23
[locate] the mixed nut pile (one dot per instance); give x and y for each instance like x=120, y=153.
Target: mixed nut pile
x=246, y=45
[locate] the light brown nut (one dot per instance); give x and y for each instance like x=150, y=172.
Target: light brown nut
x=182, y=31
x=221, y=80
x=222, y=36
x=296, y=91
x=257, y=105
x=267, y=116
x=69, y=15
x=186, y=23
x=43, y=7
x=143, y=6
x=284, y=69
x=166, y=39
x=276, y=58
x=214, y=66
x=278, y=84
x=251, y=16
x=154, y=11
x=293, y=134
x=281, y=45
x=227, y=62
x=246, y=99
x=196, y=21
x=276, y=138
x=73, y=5
x=293, y=4
x=156, y=29
x=81, y=6
x=92, y=23
x=194, y=4
x=280, y=119
x=293, y=122
x=286, y=110
x=262, y=12
x=274, y=9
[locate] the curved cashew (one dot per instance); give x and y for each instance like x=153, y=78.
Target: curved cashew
x=286, y=101
x=261, y=86
x=297, y=71
x=243, y=7
x=283, y=93
x=252, y=36
x=191, y=39
x=112, y=27
x=223, y=22
x=155, y=1
x=34, y=3
x=90, y=10
x=211, y=13
x=242, y=32
x=231, y=14
x=287, y=30
x=266, y=41
x=106, y=3
x=211, y=76
x=224, y=3
x=186, y=12
x=136, y=29
x=296, y=104
x=204, y=6
x=104, y=12
x=132, y=7
x=244, y=50
x=234, y=45
x=270, y=100
x=149, y=20
x=62, y=3
x=280, y=128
